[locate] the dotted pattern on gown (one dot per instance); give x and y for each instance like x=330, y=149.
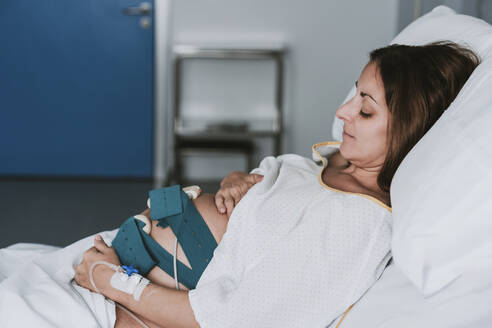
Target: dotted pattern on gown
x=295, y=254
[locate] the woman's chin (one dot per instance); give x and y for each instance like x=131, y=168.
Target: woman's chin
x=343, y=149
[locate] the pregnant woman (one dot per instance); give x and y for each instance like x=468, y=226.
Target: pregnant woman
x=294, y=243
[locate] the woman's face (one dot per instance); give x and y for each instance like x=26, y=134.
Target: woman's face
x=365, y=118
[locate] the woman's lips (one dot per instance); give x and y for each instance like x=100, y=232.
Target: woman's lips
x=345, y=134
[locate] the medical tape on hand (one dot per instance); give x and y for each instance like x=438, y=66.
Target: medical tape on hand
x=133, y=284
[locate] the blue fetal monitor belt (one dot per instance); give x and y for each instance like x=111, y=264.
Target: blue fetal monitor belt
x=171, y=207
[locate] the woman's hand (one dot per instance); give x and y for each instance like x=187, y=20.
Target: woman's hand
x=100, y=252
x=232, y=188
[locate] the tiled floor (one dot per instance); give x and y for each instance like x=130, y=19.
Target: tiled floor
x=59, y=212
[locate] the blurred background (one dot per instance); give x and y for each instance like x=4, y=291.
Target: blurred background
x=103, y=100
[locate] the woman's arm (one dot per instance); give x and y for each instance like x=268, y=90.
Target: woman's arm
x=164, y=306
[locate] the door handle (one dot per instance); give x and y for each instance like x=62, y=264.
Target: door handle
x=143, y=10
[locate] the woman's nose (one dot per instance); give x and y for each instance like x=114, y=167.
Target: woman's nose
x=344, y=112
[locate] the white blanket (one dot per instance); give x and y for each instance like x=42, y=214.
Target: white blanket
x=37, y=288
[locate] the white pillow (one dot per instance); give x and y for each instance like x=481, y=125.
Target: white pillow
x=442, y=211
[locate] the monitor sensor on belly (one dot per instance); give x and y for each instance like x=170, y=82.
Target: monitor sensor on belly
x=191, y=191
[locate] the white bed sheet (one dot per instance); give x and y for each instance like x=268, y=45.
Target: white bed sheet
x=51, y=299
x=395, y=302
x=37, y=290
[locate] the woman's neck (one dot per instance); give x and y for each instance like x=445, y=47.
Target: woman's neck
x=367, y=177
x=361, y=178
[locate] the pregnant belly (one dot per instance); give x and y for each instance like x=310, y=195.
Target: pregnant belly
x=216, y=222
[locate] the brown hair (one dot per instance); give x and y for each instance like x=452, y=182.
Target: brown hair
x=420, y=83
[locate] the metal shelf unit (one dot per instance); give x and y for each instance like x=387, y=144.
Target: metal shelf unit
x=225, y=138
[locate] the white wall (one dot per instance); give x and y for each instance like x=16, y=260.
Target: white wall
x=162, y=48
x=328, y=44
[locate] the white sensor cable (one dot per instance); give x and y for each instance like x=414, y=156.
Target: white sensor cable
x=175, y=264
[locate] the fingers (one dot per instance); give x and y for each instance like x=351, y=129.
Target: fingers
x=255, y=178
x=99, y=244
x=229, y=204
x=219, y=203
x=225, y=201
x=236, y=194
x=243, y=189
x=232, y=189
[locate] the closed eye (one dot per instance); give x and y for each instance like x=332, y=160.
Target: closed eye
x=364, y=115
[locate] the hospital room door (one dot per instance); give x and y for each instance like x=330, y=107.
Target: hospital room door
x=76, y=88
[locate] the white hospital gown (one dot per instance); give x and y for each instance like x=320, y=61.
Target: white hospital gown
x=296, y=252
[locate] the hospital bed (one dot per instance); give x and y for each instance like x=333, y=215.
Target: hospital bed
x=441, y=272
